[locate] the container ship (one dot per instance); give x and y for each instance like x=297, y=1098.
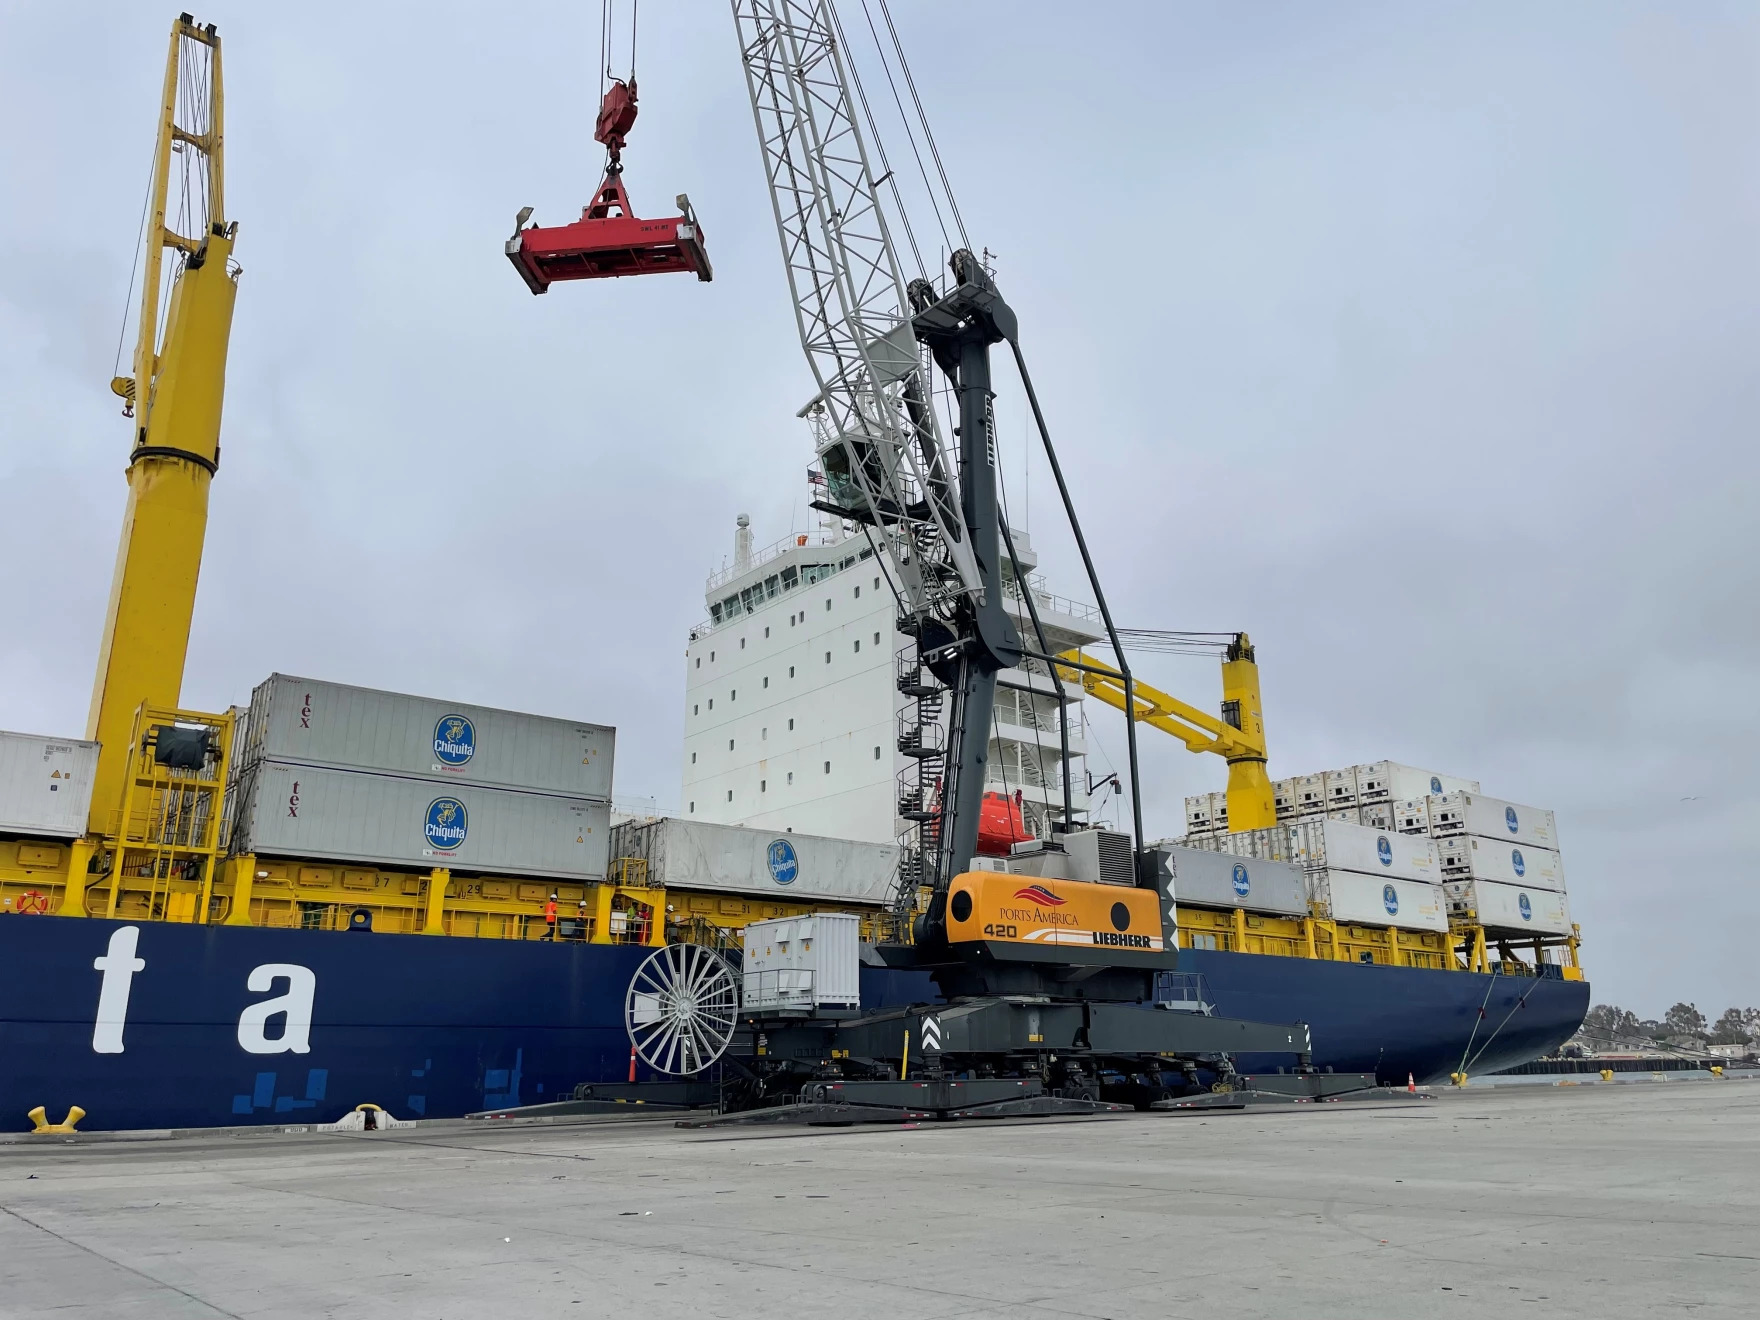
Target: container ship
x=333, y=895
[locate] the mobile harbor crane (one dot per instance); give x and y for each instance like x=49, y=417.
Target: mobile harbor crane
x=1049, y=961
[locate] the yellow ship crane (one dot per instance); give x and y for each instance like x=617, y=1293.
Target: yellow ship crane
x=1238, y=737
x=174, y=396
x=154, y=828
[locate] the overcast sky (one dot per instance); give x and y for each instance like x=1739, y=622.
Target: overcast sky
x=1417, y=340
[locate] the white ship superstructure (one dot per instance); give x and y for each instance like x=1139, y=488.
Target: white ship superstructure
x=793, y=711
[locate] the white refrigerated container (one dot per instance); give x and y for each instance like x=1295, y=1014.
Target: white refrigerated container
x=1369, y=900
x=1493, y=818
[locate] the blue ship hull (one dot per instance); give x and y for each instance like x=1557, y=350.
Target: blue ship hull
x=156, y=1025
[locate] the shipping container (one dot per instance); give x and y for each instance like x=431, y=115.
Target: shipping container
x=1465, y=857
x=1283, y=797
x=1211, y=879
x=285, y=810
x=1341, y=789
x=1389, y=781
x=1371, y=900
x=803, y=963
x=1310, y=794
x=1412, y=816
x=689, y=854
x=45, y=785
x=1504, y=908
x=1339, y=846
x=309, y=722
x=1377, y=816
x=1492, y=818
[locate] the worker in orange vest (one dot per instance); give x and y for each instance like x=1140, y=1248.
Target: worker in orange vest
x=550, y=917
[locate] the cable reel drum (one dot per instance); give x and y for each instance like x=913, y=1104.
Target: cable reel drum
x=681, y=1009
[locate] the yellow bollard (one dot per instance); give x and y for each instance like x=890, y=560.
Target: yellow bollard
x=40, y=1124
x=1459, y=1078
x=1607, y=1074
x=1717, y=1070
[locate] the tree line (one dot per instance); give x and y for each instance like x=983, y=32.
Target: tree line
x=1610, y=1024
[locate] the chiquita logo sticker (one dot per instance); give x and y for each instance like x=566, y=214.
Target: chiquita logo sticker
x=446, y=825
x=455, y=740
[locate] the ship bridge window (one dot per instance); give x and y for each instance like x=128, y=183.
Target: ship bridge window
x=866, y=554
x=771, y=587
x=789, y=577
x=715, y=612
x=730, y=606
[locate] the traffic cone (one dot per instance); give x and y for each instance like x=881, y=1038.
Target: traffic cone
x=1411, y=1086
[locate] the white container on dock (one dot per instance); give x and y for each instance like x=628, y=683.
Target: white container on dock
x=1505, y=908
x=803, y=963
x=1368, y=900
x=1465, y=857
x=312, y=722
x=1219, y=880
x=1492, y=818
x=1341, y=846
x=45, y=785
x=285, y=810
x=690, y=854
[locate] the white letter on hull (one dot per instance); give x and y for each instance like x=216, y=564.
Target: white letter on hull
x=295, y=1038
x=119, y=966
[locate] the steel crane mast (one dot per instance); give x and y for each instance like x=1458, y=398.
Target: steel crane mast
x=864, y=330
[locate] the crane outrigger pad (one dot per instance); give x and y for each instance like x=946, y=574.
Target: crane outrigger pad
x=601, y=245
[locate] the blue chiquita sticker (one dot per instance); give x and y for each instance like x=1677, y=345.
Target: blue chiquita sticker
x=785, y=867
x=455, y=740
x=1241, y=881
x=446, y=825
x=1390, y=900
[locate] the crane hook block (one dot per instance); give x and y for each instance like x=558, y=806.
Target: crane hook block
x=609, y=239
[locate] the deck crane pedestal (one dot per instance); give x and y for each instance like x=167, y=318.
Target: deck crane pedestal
x=609, y=240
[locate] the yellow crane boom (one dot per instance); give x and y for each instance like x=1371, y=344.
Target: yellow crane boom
x=1238, y=737
x=174, y=395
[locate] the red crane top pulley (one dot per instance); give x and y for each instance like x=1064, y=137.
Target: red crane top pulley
x=617, y=115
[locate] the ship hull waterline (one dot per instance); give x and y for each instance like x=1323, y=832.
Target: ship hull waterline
x=165, y=1025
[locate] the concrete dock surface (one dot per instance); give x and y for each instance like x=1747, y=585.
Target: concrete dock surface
x=1594, y=1201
